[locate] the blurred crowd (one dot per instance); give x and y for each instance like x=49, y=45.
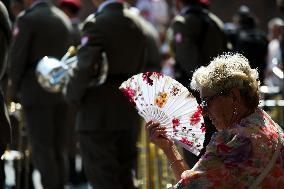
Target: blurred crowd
x=185, y=34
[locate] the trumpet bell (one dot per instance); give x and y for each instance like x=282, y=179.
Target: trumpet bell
x=51, y=74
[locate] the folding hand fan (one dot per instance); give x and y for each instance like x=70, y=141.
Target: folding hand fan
x=162, y=99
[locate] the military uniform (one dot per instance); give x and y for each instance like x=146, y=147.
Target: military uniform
x=198, y=36
x=42, y=30
x=107, y=124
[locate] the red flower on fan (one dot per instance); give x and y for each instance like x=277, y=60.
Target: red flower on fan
x=195, y=118
x=185, y=141
x=158, y=74
x=176, y=123
x=146, y=77
x=129, y=93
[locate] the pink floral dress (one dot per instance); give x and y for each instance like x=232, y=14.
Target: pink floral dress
x=236, y=157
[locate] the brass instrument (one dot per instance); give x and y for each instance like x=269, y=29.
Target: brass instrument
x=53, y=74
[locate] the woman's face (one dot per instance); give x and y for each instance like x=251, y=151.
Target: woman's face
x=218, y=107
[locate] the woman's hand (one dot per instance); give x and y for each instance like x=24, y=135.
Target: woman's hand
x=188, y=175
x=157, y=135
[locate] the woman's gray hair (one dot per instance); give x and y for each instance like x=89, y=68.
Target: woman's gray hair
x=228, y=71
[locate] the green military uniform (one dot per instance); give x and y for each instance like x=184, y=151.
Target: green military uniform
x=107, y=123
x=42, y=30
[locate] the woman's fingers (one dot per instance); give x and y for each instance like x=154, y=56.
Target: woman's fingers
x=158, y=135
x=151, y=125
x=155, y=130
x=189, y=174
x=148, y=124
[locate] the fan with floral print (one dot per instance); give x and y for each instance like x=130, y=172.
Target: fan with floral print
x=162, y=99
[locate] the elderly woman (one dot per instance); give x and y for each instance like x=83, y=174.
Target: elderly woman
x=247, y=151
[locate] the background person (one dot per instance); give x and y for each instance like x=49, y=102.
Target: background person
x=42, y=30
x=107, y=124
x=274, y=56
x=197, y=37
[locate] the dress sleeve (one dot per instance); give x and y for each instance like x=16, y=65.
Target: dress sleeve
x=225, y=163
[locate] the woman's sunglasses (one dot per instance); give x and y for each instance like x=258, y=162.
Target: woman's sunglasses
x=206, y=100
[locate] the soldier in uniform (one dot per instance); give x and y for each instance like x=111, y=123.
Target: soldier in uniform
x=5, y=37
x=42, y=30
x=198, y=36
x=107, y=124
